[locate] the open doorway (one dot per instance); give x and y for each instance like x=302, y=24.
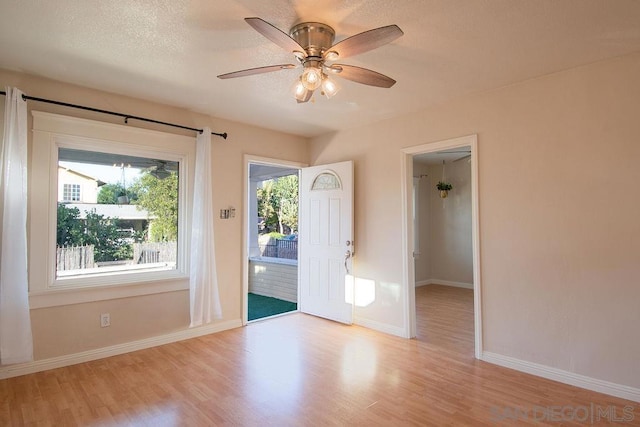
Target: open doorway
x=271, y=263
x=443, y=250
x=442, y=245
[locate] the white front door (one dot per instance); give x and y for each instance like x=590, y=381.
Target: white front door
x=326, y=241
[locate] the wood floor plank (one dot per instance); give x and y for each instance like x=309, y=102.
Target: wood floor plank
x=299, y=370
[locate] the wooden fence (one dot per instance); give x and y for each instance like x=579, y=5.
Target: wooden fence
x=81, y=257
x=280, y=249
x=74, y=257
x=152, y=252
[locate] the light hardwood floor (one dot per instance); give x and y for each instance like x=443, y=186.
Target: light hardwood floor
x=301, y=370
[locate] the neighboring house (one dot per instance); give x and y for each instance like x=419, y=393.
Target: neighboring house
x=130, y=217
x=78, y=190
x=76, y=187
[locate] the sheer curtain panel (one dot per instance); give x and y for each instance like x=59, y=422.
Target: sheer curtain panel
x=203, y=280
x=16, y=344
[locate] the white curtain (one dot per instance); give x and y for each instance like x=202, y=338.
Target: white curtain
x=203, y=280
x=16, y=344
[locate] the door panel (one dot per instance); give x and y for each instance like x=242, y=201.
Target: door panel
x=326, y=240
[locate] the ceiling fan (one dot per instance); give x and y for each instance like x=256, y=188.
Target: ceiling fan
x=312, y=45
x=159, y=169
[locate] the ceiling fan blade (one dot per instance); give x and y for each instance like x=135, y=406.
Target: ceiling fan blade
x=366, y=41
x=258, y=70
x=362, y=75
x=276, y=35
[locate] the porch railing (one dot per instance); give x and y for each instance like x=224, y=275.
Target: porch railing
x=280, y=248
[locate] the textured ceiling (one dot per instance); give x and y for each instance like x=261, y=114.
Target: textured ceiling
x=170, y=51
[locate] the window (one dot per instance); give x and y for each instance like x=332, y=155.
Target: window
x=114, y=211
x=326, y=181
x=71, y=193
x=128, y=221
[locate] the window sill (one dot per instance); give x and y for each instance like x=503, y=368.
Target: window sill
x=72, y=293
x=116, y=274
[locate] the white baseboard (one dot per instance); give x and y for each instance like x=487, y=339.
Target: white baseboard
x=566, y=377
x=445, y=283
x=380, y=327
x=100, y=353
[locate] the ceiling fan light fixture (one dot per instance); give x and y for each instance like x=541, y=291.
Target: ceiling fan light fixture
x=299, y=91
x=329, y=87
x=311, y=78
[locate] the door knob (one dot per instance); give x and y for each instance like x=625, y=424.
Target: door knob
x=347, y=255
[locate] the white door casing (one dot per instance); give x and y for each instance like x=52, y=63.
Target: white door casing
x=326, y=241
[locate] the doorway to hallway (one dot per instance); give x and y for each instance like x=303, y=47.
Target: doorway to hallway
x=443, y=249
x=441, y=230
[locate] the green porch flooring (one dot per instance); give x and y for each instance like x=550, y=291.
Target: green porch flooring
x=261, y=306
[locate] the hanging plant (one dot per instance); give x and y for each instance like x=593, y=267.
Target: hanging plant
x=444, y=188
x=123, y=198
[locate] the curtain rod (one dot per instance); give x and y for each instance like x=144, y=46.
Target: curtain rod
x=113, y=113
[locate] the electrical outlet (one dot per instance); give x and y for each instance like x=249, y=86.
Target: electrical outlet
x=105, y=320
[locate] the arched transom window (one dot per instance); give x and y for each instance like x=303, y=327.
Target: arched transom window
x=326, y=180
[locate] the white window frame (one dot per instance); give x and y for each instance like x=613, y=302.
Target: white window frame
x=52, y=132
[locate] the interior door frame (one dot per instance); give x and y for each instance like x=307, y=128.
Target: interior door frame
x=248, y=160
x=407, y=231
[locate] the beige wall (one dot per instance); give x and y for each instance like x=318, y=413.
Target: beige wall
x=560, y=237
x=67, y=329
x=444, y=226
